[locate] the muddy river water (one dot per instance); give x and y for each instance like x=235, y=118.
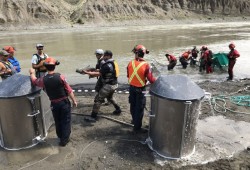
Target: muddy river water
x=75, y=47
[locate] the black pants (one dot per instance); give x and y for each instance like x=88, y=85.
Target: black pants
x=184, y=62
x=62, y=117
x=137, y=102
x=171, y=65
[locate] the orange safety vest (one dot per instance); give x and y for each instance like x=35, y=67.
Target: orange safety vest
x=136, y=73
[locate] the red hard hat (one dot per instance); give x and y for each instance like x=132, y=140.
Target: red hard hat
x=231, y=46
x=51, y=61
x=9, y=49
x=141, y=48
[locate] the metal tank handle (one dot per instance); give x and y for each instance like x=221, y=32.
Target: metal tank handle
x=146, y=94
x=186, y=113
x=35, y=111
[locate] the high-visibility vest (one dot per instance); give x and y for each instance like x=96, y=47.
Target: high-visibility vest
x=136, y=73
x=117, y=70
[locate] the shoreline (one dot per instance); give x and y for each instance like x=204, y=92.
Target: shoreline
x=124, y=23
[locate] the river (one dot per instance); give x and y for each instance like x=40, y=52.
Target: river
x=75, y=47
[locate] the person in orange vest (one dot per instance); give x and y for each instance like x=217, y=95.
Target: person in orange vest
x=184, y=59
x=172, y=61
x=138, y=73
x=232, y=55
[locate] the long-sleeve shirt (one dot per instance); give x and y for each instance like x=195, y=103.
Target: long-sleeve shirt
x=15, y=63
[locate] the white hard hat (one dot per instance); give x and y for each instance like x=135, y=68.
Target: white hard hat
x=99, y=51
x=39, y=45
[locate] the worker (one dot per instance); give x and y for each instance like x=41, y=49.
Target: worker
x=232, y=55
x=58, y=91
x=138, y=73
x=6, y=68
x=184, y=59
x=206, y=60
x=37, y=61
x=99, y=56
x=108, y=74
x=172, y=61
x=13, y=60
x=194, y=55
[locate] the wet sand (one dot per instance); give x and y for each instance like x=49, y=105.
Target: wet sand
x=108, y=144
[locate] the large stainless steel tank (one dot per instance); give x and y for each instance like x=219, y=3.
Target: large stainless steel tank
x=25, y=115
x=175, y=104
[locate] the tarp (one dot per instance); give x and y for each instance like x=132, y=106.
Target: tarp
x=220, y=59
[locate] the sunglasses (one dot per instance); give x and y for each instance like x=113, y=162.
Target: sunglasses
x=40, y=49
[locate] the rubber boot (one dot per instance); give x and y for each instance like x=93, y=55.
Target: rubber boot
x=117, y=110
x=92, y=118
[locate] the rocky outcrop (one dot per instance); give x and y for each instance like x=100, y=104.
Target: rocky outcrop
x=34, y=12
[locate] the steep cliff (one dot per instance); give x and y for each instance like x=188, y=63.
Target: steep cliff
x=42, y=12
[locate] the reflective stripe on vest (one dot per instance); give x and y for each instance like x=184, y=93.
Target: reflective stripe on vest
x=135, y=69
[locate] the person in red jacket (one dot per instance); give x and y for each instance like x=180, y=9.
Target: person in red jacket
x=206, y=60
x=184, y=59
x=172, y=61
x=232, y=55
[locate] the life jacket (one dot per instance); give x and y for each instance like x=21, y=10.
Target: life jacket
x=136, y=73
x=8, y=65
x=54, y=86
x=194, y=53
x=39, y=59
x=172, y=58
x=185, y=55
x=233, y=54
x=111, y=76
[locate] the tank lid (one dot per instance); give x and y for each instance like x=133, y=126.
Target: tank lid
x=176, y=87
x=17, y=85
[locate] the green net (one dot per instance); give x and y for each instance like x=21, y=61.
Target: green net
x=220, y=60
x=241, y=100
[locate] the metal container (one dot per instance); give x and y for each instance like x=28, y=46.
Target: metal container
x=175, y=105
x=25, y=115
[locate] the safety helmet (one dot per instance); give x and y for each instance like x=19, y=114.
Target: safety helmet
x=141, y=49
x=39, y=45
x=231, y=46
x=9, y=49
x=99, y=51
x=51, y=61
x=108, y=53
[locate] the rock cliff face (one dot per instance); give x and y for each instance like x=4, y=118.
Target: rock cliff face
x=33, y=12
